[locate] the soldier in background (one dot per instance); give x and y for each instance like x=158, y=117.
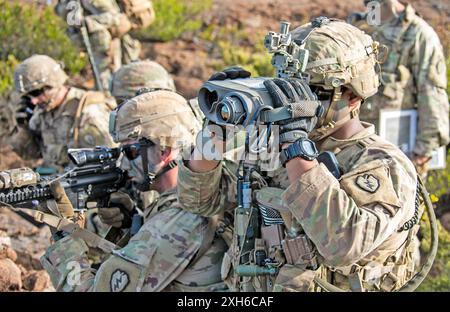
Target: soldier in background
x=174, y=249
x=64, y=117
x=108, y=24
x=413, y=76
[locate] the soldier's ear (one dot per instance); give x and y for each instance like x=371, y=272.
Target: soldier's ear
x=166, y=155
x=353, y=99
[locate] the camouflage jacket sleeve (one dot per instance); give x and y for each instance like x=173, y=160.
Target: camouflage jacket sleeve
x=429, y=69
x=67, y=264
x=94, y=127
x=25, y=143
x=350, y=218
x=207, y=193
x=151, y=260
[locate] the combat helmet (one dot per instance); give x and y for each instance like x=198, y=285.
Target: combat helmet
x=37, y=72
x=340, y=55
x=128, y=79
x=159, y=117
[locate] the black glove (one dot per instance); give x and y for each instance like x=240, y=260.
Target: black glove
x=296, y=95
x=233, y=72
x=119, y=212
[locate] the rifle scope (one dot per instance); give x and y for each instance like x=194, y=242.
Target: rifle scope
x=84, y=156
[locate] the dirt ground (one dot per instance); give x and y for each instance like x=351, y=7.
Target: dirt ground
x=189, y=60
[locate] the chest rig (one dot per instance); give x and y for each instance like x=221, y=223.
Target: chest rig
x=266, y=235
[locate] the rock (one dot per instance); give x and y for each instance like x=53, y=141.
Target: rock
x=36, y=281
x=7, y=252
x=4, y=238
x=28, y=240
x=10, y=276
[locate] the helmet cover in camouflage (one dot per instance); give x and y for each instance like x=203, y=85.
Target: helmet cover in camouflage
x=38, y=71
x=340, y=55
x=128, y=79
x=164, y=117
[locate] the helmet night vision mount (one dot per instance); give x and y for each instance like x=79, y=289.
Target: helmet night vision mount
x=289, y=58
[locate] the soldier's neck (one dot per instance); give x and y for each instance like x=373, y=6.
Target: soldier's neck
x=166, y=182
x=60, y=96
x=349, y=129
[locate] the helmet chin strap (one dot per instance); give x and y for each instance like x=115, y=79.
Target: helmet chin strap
x=329, y=126
x=149, y=176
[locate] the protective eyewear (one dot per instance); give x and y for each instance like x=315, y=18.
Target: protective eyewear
x=34, y=94
x=133, y=151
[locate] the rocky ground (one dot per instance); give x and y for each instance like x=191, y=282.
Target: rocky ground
x=21, y=246
x=190, y=60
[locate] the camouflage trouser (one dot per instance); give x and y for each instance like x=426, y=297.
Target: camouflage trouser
x=109, y=53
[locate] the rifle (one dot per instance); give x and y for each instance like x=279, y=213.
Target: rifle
x=87, y=44
x=93, y=178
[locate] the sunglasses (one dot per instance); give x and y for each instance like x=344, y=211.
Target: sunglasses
x=133, y=151
x=34, y=94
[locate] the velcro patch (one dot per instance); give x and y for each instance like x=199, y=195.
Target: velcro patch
x=368, y=182
x=371, y=183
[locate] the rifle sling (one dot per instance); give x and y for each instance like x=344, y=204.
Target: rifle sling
x=62, y=224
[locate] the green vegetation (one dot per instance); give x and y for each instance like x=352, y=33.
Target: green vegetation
x=25, y=30
x=256, y=60
x=237, y=47
x=173, y=18
x=438, y=184
x=439, y=277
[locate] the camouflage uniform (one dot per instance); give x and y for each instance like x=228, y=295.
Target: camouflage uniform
x=174, y=249
x=108, y=26
x=413, y=77
x=80, y=121
x=354, y=221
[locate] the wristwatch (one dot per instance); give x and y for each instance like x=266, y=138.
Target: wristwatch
x=304, y=148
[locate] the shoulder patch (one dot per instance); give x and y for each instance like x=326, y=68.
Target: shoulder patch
x=119, y=280
x=368, y=182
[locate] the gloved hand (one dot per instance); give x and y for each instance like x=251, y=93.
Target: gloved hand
x=65, y=207
x=118, y=214
x=233, y=72
x=62, y=209
x=296, y=95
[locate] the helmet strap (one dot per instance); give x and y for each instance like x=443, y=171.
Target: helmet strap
x=150, y=177
x=329, y=125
